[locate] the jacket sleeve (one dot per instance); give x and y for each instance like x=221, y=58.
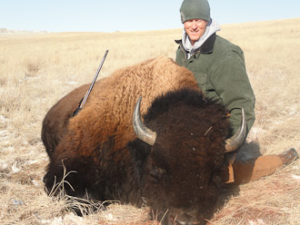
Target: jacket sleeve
x=230, y=81
x=179, y=57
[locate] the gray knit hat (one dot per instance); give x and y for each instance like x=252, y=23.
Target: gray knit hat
x=195, y=9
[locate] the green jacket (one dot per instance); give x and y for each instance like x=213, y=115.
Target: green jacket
x=219, y=69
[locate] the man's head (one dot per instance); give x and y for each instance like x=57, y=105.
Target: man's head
x=195, y=9
x=195, y=14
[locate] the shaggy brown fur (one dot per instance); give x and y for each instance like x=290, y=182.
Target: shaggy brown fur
x=113, y=98
x=183, y=169
x=56, y=120
x=181, y=173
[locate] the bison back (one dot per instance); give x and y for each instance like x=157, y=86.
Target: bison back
x=55, y=123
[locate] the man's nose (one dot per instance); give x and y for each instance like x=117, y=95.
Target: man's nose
x=194, y=25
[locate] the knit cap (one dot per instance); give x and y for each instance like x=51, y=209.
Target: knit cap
x=195, y=9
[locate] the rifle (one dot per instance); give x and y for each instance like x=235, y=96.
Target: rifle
x=84, y=99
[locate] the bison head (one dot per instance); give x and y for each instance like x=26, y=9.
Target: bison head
x=179, y=155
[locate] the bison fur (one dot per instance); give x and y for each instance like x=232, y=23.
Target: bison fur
x=180, y=176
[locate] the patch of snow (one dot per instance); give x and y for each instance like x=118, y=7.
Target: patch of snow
x=73, y=219
x=5, y=143
x=17, y=202
x=14, y=168
x=257, y=222
x=67, y=219
x=4, y=134
x=43, y=221
x=57, y=221
x=296, y=177
x=72, y=82
x=110, y=217
x=293, y=111
x=295, y=167
x=3, y=119
x=254, y=133
x=9, y=149
x=30, y=162
x=25, y=142
x=35, y=183
x=3, y=165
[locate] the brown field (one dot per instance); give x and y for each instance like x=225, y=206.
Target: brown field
x=37, y=69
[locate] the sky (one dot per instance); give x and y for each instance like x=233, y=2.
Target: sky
x=131, y=15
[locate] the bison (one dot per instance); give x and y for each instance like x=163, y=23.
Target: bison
x=117, y=95
x=174, y=161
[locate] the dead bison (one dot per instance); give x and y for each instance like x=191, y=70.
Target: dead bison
x=173, y=161
x=114, y=97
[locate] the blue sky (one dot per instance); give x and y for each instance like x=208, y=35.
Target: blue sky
x=131, y=15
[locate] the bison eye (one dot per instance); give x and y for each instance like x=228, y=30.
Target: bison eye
x=157, y=173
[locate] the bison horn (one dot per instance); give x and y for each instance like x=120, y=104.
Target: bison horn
x=141, y=131
x=238, y=138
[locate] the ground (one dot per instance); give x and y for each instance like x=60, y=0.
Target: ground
x=36, y=69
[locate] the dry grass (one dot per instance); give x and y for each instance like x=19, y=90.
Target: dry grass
x=37, y=69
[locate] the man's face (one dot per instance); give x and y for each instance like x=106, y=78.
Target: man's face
x=195, y=28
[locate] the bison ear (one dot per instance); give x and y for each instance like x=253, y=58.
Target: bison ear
x=139, y=152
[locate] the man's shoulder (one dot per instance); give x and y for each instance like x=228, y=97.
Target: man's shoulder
x=223, y=41
x=224, y=46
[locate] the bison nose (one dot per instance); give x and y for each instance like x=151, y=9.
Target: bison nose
x=178, y=222
x=187, y=219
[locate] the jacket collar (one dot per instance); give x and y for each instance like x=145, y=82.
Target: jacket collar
x=206, y=48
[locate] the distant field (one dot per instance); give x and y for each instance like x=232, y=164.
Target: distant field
x=37, y=69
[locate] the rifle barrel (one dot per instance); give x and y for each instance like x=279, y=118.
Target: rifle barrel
x=93, y=82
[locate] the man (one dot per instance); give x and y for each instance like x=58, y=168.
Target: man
x=217, y=64
x=219, y=68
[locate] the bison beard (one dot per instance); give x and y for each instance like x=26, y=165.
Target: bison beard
x=181, y=174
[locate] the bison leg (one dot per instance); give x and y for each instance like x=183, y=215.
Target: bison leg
x=74, y=176
x=244, y=172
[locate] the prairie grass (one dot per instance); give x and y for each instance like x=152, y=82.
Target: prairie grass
x=37, y=69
